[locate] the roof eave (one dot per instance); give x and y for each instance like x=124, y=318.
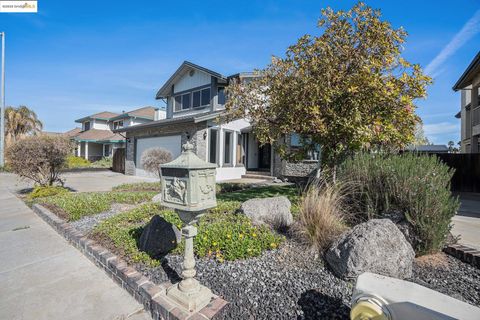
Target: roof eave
x=460, y=84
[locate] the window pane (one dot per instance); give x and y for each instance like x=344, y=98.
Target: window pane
x=221, y=95
x=87, y=125
x=213, y=146
x=240, y=152
x=205, y=96
x=186, y=101
x=178, y=103
x=196, y=99
x=227, y=148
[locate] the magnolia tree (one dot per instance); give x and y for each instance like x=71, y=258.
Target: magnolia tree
x=152, y=159
x=39, y=158
x=346, y=89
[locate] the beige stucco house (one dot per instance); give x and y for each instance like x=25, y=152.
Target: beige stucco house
x=470, y=110
x=95, y=139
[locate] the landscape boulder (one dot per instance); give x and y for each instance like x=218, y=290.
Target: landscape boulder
x=376, y=246
x=159, y=237
x=273, y=211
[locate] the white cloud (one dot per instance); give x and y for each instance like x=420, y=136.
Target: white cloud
x=441, y=128
x=470, y=29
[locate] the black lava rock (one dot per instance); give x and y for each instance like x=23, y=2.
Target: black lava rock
x=159, y=237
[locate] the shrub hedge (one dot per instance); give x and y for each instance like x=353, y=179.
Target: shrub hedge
x=418, y=186
x=46, y=191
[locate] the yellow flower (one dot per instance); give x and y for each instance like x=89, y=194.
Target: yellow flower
x=214, y=244
x=254, y=235
x=273, y=245
x=241, y=235
x=229, y=236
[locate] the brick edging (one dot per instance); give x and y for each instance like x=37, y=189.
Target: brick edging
x=464, y=253
x=151, y=296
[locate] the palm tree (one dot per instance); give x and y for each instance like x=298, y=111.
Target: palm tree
x=20, y=122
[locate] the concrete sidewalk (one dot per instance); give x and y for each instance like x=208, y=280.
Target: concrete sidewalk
x=466, y=223
x=43, y=277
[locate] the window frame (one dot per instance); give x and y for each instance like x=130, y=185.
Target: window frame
x=116, y=124
x=230, y=153
x=85, y=125
x=190, y=93
x=210, y=135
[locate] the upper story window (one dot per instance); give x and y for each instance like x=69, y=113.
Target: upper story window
x=86, y=125
x=221, y=95
x=117, y=124
x=194, y=99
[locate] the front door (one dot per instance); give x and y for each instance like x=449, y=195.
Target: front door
x=264, y=153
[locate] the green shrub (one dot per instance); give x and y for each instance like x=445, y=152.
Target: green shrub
x=46, y=191
x=105, y=162
x=77, y=162
x=232, y=187
x=140, y=186
x=222, y=236
x=417, y=186
x=5, y=168
x=78, y=205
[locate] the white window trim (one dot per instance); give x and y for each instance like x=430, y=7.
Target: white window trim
x=232, y=153
x=217, y=156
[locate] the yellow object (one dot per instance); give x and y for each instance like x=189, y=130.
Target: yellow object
x=366, y=310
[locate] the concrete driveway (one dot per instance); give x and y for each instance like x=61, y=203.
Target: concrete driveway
x=466, y=223
x=42, y=276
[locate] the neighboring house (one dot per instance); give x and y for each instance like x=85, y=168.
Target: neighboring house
x=95, y=138
x=195, y=98
x=428, y=148
x=470, y=111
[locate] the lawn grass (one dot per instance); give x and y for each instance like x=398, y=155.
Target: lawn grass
x=290, y=191
x=222, y=235
x=78, y=205
x=139, y=186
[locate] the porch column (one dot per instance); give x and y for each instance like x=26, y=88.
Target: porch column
x=79, y=149
x=86, y=150
x=473, y=106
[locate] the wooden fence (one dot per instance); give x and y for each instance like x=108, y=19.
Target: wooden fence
x=467, y=170
x=118, y=163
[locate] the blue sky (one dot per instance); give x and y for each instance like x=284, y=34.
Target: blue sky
x=76, y=58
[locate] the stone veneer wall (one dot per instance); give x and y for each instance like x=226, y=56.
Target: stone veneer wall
x=193, y=132
x=283, y=168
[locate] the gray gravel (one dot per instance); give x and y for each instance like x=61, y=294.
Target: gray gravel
x=452, y=277
x=87, y=223
x=289, y=283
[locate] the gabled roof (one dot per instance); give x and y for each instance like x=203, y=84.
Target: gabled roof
x=95, y=135
x=105, y=115
x=144, y=113
x=195, y=118
x=471, y=72
x=184, y=67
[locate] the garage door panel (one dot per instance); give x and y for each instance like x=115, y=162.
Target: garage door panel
x=170, y=143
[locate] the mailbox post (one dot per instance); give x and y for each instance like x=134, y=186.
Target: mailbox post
x=188, y=186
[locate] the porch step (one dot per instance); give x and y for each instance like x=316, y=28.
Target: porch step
x=258, y=176
x=259, y=173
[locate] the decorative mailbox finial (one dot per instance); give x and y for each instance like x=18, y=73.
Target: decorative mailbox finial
x=188, y=186
x=187, y=147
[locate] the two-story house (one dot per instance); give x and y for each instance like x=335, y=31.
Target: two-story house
x=95, y=139
x=195, y=98
x=469, y=114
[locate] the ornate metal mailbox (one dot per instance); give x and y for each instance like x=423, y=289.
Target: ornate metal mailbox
x=188, y=186
x=188, y=183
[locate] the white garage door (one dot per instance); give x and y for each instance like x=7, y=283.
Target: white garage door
x=170, y=143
